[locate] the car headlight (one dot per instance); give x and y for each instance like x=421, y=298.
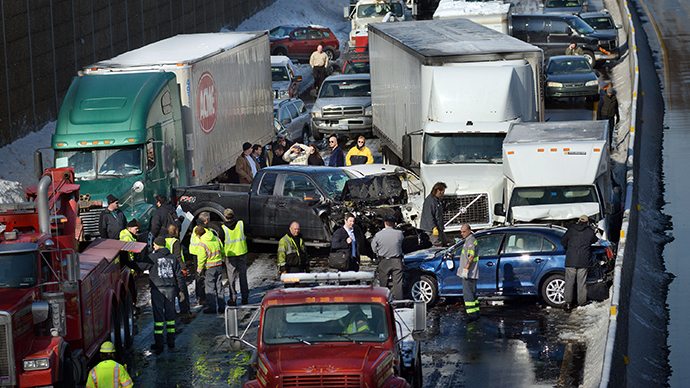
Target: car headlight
x=368, y=111
x=554, y=84
x=36, y=364
x=592, y=83
x=284, y=94
x=316, y=113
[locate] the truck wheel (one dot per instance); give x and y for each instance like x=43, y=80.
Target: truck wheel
x=425, y=289
x=417, y=375
x=590, y=57
x=128, y=315
x=317, y=135
x=330, y=53
x=116, y=331
x=552, y=290
x=66, y=372
x=305, y=135
x=280, y=51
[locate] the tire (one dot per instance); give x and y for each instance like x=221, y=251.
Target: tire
x=305, y=135
x=116, y=331
x=280, y=51
x=425, y=289
x=317, y=135
x=590, y=57
x=553, y=290
x=67, y=373
x=330, y=53
x=128, y=316
x=417, y=375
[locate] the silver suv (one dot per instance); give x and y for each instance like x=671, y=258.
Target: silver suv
x=342, y=106
x=294, y=117
x=285, y=79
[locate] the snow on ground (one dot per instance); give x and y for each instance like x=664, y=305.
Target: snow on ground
x=18, y=163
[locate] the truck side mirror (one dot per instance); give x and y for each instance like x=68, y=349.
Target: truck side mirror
x=38, y=164
x=167, y=158
x=298, y=78
x=499, y=210
x=346, y=11
x=231, y=324
x=419, y=324
x=407, y=150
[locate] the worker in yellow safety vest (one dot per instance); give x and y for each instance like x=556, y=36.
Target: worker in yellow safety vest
x=172, y=242
x=235, y=249
x=129, y=233
x=210, y=260
x=108, y=373
x=204, y=220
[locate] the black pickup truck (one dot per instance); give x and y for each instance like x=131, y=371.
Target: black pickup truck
x=316, y=197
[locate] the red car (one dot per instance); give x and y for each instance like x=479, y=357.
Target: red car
x=298, y=43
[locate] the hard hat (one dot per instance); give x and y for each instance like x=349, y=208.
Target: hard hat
x=107, y=347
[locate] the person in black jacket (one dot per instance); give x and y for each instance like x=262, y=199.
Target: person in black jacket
x=159, y=220
x=112, y=220
x=577, y=242
x=431, y=221
x=165, y=278
x=607, y=109
x=350, y=239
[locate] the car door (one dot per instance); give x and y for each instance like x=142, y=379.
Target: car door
x=294, y=127
x=560, y=36
x=299, y=44
x=487, y=248
x=536, y=31
x=524, y=256
x=262, y=207
x=285, y=118
x=296, y=202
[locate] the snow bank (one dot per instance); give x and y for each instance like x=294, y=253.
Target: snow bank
x=18, y=161
x=455, y=8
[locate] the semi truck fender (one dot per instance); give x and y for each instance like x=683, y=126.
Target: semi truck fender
x=43, y=347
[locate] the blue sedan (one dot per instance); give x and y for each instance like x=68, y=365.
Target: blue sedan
x=513, y=260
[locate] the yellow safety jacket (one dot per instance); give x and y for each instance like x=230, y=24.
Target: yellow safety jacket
x=126, y=235
x=108, y=374
x=194, y=243
x=235, y=243
x=209, y=252
x=169, y=242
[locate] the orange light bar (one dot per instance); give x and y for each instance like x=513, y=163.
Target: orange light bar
x=82, y=143
x=511, y=152
x=94, y=69
x=106, y=141
x=311, y=300
x=338, y=299
x=597, y=150
x=180, y=64
x=324, y=299
x=554, y=149
x=540, y=150
x=376, y=299
x=61, y=144
x=566, y=149
x=272, y=302
x=94, y=142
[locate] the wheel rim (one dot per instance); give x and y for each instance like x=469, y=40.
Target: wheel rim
x=330, y=54
x=422, y=291
x=555, y=291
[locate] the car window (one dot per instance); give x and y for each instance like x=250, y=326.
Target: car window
x=600, y=23
x=326, y=34
x=548, y=246
x=346, y=88
x=280, y=31
x=293, y=110
x=314, y=34
x=523, y=243
x=559, y=27
x=301, y=34
x=535, y=25
x=283, y=113
x=297, y=186
x=268, y=182
x=299, y=104
x=279, y=73
x=489, y=245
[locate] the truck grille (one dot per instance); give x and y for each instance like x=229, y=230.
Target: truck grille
x=478, y=213
x=89, y=219
x=337, y=111
x=7, y=372
x=328, y=380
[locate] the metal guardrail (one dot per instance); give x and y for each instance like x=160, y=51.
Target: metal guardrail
x=615, y=299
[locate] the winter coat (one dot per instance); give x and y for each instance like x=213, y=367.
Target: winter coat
x=432, y=214
x=299, y=159
x=292, y=249
x=315, y=159
x=109, y=226
x=608, y=107
x=164, y=269
x=577, y=242
x=576, y=51
x=159, y=220
x=244, y=169
x=359, y=156
x=339, y=243
x=337, y=158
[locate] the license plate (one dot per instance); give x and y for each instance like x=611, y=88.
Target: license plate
x=342, y=126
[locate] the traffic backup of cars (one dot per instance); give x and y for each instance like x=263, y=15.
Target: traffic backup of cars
x=143, y=123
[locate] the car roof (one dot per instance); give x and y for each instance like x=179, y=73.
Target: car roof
x=294, y=27
x=546, y=15
x=594, y=14
x=278, y=103
x=534, y=228
x=304, y=169
x=567, y=57
x=279, y=60
x=362, y=170
x=344, y=77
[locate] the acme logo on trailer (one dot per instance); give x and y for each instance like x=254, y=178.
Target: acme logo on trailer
x=206, y=102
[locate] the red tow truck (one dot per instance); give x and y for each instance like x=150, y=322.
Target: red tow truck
x=57, y=306
x=332, y=335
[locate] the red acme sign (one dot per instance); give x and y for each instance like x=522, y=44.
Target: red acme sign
x=206, y=102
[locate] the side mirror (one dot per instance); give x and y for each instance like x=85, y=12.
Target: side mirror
x=568, y=31
x=419, y=324
x=167, y=158
x=298, y=78
x=40, y=311
x=232, y=329
x=499, y=210
x=346, y=12
x=407, y=150
x=619, y=26
x=38, y=164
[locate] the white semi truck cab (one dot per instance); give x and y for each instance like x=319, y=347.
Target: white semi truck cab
x=374, y=11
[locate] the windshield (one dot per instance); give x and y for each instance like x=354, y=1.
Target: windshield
x=18, y=270
x=279, y=73
x=600, y=23
x=379, y=10
x=552, y=195
x=281, y=31
x=332, y=182
x=563, y=3
x=346, y=88
x=581, y=27
x=332, y=322
x=463, y=148
x=101, y=163
x=352, y=67
x=578, y=65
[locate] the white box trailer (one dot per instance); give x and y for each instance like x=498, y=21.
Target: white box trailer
x=557, y=171
x=225, y=92
x=493, y=14
x=459, y=85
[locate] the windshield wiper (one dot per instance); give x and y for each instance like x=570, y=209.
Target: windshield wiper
x=294, y=338
x=346, y=336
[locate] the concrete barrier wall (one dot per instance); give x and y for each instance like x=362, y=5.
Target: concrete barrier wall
x=613, y=371
x=45, y=42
